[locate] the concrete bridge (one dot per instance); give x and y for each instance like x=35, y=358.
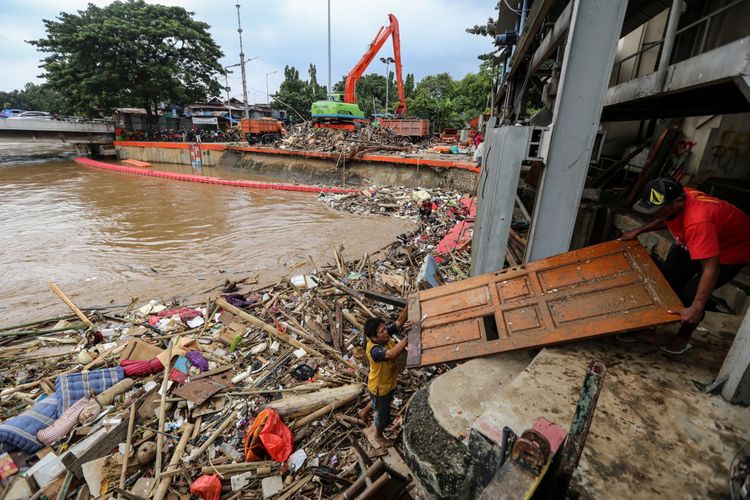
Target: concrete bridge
x=69, y=130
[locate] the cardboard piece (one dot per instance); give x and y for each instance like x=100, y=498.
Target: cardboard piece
x=183, y=346
x=138, y=350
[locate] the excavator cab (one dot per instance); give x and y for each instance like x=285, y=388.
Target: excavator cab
x=335, y=110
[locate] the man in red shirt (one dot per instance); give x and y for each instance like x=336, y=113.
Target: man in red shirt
x=713, y=244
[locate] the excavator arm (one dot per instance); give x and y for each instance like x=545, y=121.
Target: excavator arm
x=356, y=73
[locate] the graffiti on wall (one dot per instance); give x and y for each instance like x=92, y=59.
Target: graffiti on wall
x=730, y=155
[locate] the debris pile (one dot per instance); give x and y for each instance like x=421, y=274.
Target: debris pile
x=252, y=394
x=349, y=143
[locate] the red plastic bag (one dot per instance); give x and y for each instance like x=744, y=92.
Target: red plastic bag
x=268, y=435
x=208, y=487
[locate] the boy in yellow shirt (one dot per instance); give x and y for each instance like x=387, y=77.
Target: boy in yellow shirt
x=382, y=351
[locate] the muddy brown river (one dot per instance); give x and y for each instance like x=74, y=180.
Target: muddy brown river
x=106, y=237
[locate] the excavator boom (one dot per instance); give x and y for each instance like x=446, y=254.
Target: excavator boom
x=377, y=43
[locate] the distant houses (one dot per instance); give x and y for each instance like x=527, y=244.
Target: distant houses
x=227, y=114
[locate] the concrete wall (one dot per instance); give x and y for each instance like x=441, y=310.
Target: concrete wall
x=725, y=148
x=163, y=155
x=313, y=170
x=719, y=144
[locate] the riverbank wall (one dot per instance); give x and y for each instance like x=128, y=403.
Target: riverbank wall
x=314, y=166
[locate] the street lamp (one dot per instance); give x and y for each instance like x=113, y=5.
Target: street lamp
x=226, y=82
x=267, y=97
x=387, y=61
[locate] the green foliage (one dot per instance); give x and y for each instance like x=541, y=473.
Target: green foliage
x=409, y=85
x=487, y=29
x=130, y=53
x=450, y=103
x=299, y=94
x=37, y=98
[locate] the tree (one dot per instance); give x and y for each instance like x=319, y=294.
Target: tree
x=487, y=29
x=36, y=97
x=130, y=53
x=409, y=85
x=440, y=86
x=315, y=91
x=293, y=93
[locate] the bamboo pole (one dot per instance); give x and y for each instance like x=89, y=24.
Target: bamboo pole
x=220, y=430
x=166, y=477
x=128, y=443
x=284, y=337
x=163, y=410
x=70, y=304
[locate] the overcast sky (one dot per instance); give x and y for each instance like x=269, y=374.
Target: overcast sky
x=285, y=32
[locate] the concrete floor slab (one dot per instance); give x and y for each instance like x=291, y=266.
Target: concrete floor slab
x=461, y=395
x=655, y=432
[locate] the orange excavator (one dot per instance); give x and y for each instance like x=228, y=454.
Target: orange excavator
x=344, y=113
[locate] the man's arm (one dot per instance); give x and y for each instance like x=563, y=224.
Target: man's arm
x=646, y=228
x=402, y=317
x=396, y=349
x=692, y=314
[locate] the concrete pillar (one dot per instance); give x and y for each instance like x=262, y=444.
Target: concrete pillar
x=736, y=367
x=505, y=148
x=589, y=54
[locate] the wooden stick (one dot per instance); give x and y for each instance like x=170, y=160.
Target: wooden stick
x=70, y=304
x=306, y=387
x=355, y=295
x=102, y=357
x=238, y=467
x=324, y=411
x=166, y=480
x=163, y=409
x=33, y=323
x=224, y=425
x=128, y=443
x=267, y=328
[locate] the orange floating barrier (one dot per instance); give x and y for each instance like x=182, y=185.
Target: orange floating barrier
x=213, y=180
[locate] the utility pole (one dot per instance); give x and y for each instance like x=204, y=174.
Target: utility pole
x=242, y=62
x=226, y=88
x=268, y=100
x=330, y=89
x=387, y=61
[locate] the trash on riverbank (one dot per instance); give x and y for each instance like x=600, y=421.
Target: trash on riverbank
x=161, y=397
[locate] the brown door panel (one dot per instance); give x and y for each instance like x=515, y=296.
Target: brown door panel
x=599, y=290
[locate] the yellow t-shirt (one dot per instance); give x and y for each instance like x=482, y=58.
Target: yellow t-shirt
x=382, y=379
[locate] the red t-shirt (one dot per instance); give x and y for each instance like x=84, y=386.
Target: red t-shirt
x=708, y=227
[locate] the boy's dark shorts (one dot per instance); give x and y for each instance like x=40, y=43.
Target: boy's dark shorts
x=381, y=405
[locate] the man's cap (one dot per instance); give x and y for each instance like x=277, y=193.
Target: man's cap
x=657, y=194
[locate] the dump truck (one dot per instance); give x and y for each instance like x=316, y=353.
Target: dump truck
x=263, y=130
x=412, y=128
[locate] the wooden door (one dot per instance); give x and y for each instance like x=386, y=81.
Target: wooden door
x=598, y=290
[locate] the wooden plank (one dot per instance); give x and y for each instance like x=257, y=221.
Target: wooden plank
x=599, y=290
x=384, y=298
x=414, y=349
